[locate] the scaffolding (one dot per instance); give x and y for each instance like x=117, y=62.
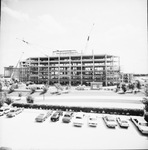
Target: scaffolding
x=71, y=69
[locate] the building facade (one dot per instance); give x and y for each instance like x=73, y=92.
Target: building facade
x=71, y=68
x=11, y=72
x=126, y=77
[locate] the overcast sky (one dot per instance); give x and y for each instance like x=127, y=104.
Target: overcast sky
x=120, y=28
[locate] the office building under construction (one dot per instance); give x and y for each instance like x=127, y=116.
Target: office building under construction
x=68, y=67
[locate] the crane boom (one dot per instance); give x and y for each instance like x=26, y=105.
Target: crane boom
x=88, y=38
x=12, y=75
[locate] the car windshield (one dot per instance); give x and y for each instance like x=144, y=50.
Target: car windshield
x=110, y=119
x=78, y=117
x=92, y=118
x=12, y=110
x=55, y=114
x=66, y=115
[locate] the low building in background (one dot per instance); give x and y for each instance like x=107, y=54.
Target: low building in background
x=126, y=77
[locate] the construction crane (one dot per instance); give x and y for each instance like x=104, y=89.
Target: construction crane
x=12, y=75
x=32, y=44
x=88, y=39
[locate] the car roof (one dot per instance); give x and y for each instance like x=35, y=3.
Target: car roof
x=109, y=117
x=79, y=114
x=68, y=113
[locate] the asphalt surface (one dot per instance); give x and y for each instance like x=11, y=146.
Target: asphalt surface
x=23, y=133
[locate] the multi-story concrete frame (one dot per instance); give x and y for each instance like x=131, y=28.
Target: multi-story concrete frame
x=72, y=69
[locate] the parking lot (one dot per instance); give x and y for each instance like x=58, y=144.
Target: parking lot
x=22, y=132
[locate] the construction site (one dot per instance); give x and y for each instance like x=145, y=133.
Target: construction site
x=68, y=67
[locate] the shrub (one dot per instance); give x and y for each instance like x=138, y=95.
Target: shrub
x=30, y=99
x=8, y=101
x=146, y=116
x=20, y=94
x=26, y=105
x=32, y=90
x=11, y=89
x=146, y=89
x=45, y=89
x=1, y=102
x=0, y=87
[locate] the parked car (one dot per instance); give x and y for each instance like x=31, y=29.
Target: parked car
x=122, y=122
x=55, y=116
x=67, y=117
x=19, y=110
x=78, y=119
x=92, y=121
x=4, y=110
x=80, y=87
x=14, y=111
x=35, y=86
x=43, y=116
x=110, y=121
x=141, y=124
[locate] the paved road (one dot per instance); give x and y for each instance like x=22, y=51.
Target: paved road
x=23, y=133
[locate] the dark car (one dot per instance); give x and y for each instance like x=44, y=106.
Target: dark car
x=55, y=116
x=43, y=116
x=67, y=117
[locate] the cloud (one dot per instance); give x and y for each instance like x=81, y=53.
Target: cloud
x=15, y=14
x=48, y=24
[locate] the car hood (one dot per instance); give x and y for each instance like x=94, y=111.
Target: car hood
x=111, y=122
x=145, y=128
x=10, y=114
x=78, y=121
x=92, y=121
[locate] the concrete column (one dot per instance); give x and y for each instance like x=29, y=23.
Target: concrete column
x=93, y=68
x=69, y=70
x=105, y=70
x=81, y=71
x=48, y=72
x=59, y=69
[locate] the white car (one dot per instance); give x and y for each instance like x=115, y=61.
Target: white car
x=141, y=124
x=78, y=119
x=36, y=86
x=92, y=121
x=110, y=121
x=123, y=122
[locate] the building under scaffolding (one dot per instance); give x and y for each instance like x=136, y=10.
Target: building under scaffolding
x=69, y=67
